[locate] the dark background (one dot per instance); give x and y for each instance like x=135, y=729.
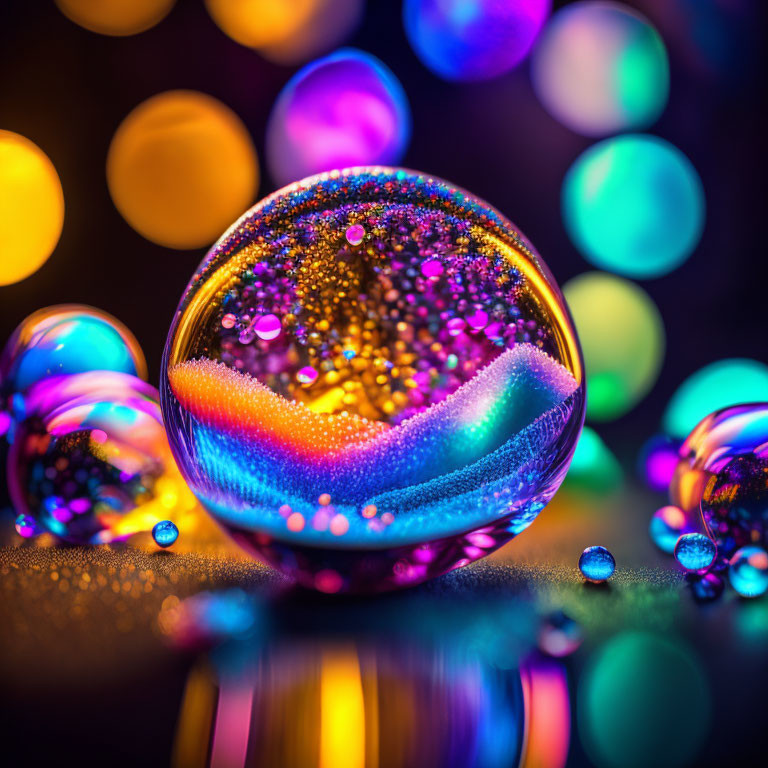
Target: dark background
x=67, y=89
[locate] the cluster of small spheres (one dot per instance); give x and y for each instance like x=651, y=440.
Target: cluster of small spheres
x=597, y=564
x=747, y=568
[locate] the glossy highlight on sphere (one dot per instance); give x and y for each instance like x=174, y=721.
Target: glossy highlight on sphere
x=180, y=167
x=597, y=564
x=342, y=110
x=31, y=207
x=634, y=205
x=695, y=551
x=601, y=67
x=714, y=387
x=748, y=571
x=622, y=337
x=668, y=524
x=473, y=39
x=67, y=339
x=165, y=533
x=400, y=391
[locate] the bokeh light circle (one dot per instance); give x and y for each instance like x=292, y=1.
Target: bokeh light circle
x=115, y=17
x=343, y=110
x=31, y=207
x=643, y=700
x=715, y=386
x=180, y=167
x=287, y=31
x=748, y=571
x=622, y=338
x=634, y=205
x=600, y=68
x=473, y=39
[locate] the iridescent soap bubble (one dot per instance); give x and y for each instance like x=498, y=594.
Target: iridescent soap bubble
x=165, y=533
x=372, y=443
x=695, y=551
x=597, y=564
x=473, y=39
x=67, y=339
x=723, y=476
x=634, y=205
x=667, y=525
x=344, y=109
x=601, y=67
x=90, y=450
x=748, y=571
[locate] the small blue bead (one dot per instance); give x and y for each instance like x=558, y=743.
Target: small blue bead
x=165, y=533
x=597, y=564
x=695, y=551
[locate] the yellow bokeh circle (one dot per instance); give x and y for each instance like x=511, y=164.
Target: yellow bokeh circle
x=115, y=17
x=181, y=168
x=31, y=207
x=622, y=339
x=256, y=23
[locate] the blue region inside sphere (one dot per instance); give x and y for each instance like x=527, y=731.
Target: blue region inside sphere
x=597, y=564
x=695, y=551
x=165, y=533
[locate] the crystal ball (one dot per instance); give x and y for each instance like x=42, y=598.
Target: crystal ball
x=371, y=379
x=723, y=476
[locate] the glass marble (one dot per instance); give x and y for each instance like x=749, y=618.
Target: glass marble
x=473, y=39
x=597, y=564
x=165, y=533
x=67, y=339
x=705, y=587
x=667, y=525
x=695, y=551
x=90, y=449
x=722, y=475
x=748, y=571
x=416, y=401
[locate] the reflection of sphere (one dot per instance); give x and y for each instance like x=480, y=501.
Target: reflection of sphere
x=115, y=17
x=67, y=339
x=748, y=571
x=368, y=409
x=31, y=207
x=473, y=39
x=180, y=167
x=717, y=385
x=634, y=205
x=343, y=110
x=90, y=449
x=643, y=700
x=287, y=31
x=723, y=474
x=600, y=68
x=622, y=336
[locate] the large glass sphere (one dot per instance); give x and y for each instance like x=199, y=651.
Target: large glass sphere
x=723, y=475
x=371, y=379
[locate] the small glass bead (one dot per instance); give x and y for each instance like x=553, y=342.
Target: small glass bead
x=695, y=551
x=165, y=533
x=597, y=564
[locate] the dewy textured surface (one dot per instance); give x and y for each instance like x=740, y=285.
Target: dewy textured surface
x=372, y=379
